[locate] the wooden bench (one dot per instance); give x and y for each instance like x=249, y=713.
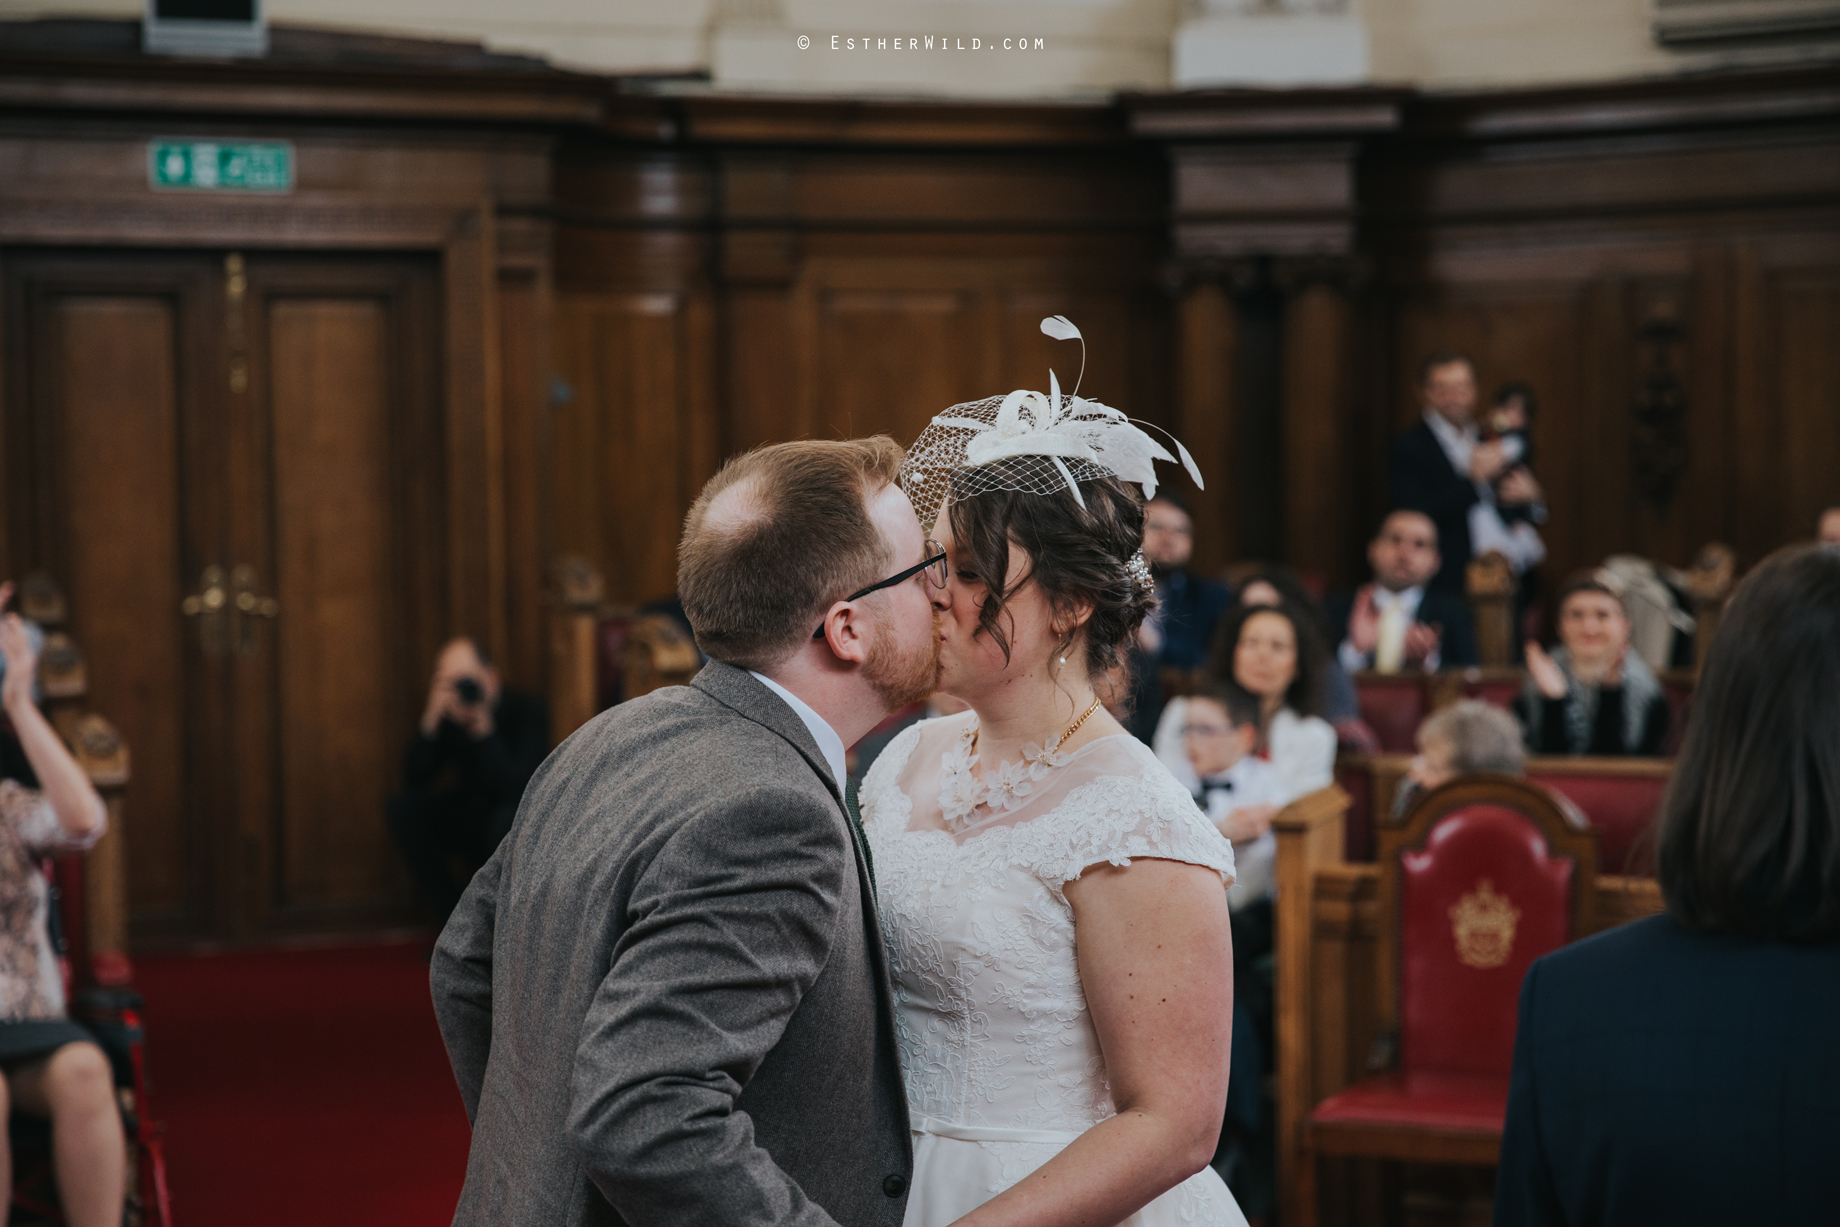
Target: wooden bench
x=1328, y=1009
x=1620, y=797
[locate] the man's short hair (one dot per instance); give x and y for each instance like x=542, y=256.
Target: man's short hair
x=1165, y=495
x=1443, y=357
x=1390, y=516
x=1241, y=705
x=777, y=536
x=1481, y=737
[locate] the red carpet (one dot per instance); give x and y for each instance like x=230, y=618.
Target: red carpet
x=303, y=1087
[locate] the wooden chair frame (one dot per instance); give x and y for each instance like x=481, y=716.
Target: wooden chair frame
x=1328, y=926
x=1568, y=834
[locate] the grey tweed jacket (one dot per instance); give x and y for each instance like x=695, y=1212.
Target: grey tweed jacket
x=665, y=997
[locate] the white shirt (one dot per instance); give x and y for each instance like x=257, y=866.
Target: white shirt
x=829, y=743
x=1407, y=603
x=1521, y=544
x=1250, y=781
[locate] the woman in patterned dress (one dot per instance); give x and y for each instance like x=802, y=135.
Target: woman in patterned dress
x=49, y=1066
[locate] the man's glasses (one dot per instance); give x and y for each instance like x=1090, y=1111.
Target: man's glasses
x=934, y=566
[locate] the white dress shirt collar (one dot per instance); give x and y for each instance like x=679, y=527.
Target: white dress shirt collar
x=1407, y=600
x=829, y=743
x=1457, y=441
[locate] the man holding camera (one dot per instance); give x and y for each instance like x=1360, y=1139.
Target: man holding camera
x=465, y=769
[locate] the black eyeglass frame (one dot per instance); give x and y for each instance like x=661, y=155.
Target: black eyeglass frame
x=936, y=559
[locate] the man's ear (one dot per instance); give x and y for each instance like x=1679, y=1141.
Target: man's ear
x=846, y=632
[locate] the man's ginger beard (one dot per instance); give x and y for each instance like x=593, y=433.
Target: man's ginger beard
x=899, y=678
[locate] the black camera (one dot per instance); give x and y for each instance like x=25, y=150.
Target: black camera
x=470, y=691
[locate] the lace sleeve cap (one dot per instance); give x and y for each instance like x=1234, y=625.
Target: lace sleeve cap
x=1115, y=818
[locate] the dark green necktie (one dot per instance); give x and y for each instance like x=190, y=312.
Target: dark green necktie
x=851, y=806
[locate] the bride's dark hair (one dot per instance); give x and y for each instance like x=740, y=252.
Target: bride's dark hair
x=1077, y=555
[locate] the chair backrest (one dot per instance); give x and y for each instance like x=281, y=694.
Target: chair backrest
x=1496, y=687
x=1481, y=877
x=1393, y=705
x=1619, y=796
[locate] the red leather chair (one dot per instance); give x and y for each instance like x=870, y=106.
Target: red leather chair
x=1483, y=876
x=1620, y=797
x=1394, y=705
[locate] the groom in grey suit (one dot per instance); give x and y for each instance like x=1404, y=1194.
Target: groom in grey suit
x=665, y=997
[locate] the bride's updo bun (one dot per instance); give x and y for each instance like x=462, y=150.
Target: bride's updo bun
x=1077, y=555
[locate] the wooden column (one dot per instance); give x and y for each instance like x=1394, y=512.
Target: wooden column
x=1205, y=337
x=1318, y=422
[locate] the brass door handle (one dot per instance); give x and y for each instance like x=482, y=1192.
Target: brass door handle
x=247, y=605
x=207, y=605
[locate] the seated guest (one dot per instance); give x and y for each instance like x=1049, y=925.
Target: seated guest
x=1274, y=652
x=1683, y=1068
x=1479, y=499
x=49, y=1066
x=1188, y=609
x=1591, y=695
x=1240, y=791
x=1395, y=622
x=1273, y=583
x=1463, y=738
x=465, y=769
x=1241, y=794
x=1829, y=528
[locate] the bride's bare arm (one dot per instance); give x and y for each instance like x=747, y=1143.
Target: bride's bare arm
x=1156, y=960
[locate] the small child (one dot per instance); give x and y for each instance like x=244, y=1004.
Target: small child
x=1509, y=422
x=1240, y=791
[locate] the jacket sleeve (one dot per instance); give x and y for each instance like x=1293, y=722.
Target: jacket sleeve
x=727, y=928
x=461, y=977
x=1655, y=723
x=1524, y=1192
x=1457, y=648
x=1420, y=478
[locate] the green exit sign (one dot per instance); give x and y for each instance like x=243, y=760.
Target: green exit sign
x=221, y=166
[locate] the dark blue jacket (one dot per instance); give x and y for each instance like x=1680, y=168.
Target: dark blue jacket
x=1663, y=1075
x=1192, y=609
x=1457, y=647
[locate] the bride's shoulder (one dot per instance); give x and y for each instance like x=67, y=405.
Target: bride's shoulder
x=1120, y=803
x=932, y=735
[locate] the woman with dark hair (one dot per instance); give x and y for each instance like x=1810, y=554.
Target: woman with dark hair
x=1273, y=583
x=1053, y=901
x=1592, y=694
x=1275, y=652
x=1684, y=1069
x=49, y=1066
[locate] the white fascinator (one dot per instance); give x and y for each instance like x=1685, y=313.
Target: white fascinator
x=1031, y=443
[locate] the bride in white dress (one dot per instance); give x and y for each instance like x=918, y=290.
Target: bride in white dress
x=1054, y=903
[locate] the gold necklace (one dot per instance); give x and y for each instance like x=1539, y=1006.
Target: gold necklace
x=1058, y=741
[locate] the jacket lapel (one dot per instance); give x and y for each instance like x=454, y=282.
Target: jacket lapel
x=742, y=691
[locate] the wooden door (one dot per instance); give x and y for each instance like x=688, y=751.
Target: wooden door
x=233, y=464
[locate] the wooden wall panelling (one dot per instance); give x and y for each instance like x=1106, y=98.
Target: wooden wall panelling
x=1318, y=427
x=622, y=439
x=1205, y=417
x=474, y=429
x=525, y=294
x=1788, y=387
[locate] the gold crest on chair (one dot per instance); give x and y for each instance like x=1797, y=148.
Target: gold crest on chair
x=1483, y=924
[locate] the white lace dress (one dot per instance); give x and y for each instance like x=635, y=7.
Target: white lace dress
x=1001, y=1060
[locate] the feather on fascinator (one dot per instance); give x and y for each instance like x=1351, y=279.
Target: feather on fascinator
x=1031, y=443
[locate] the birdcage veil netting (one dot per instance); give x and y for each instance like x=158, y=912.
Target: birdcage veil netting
x=1031, y=443
x=937, y=473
